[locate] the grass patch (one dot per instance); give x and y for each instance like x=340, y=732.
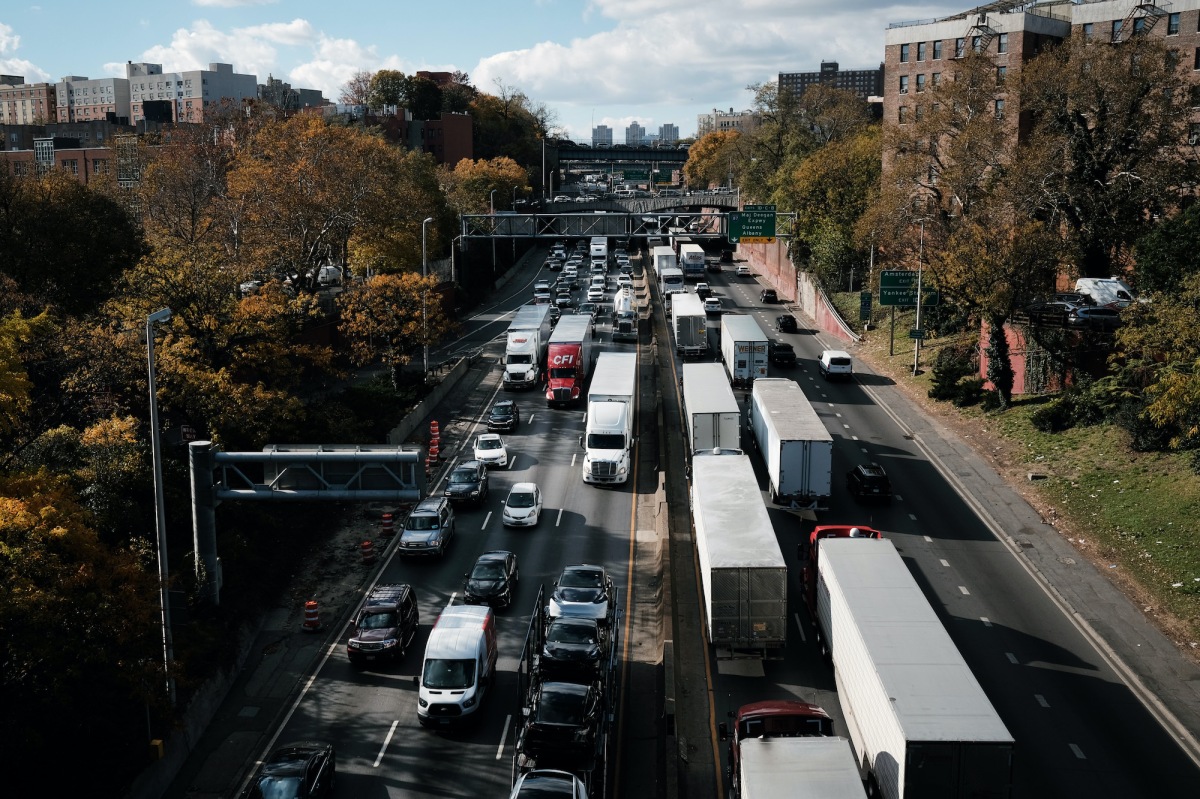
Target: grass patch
x=1136, y=511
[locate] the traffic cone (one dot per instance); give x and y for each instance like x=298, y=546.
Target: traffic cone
x=387, y=526
x=368, y=552
x=434, y=431
x=312, y=621
x=434, y=446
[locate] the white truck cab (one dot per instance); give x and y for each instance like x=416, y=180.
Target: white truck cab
x=459, y=665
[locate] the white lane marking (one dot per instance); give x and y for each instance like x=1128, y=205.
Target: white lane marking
x=504, y=737
x=986, y=621
x=799, y=627
x=531, y=417
x=832, y=405
x=486, y=519
x=1011, y=658
x=558, y=521
x=913, y=516
x=944, y=563
x=899, y=498
x=1041, y=700
x=1078, y=752
x=387, y=740
x=511, y=461
x=573, y=457
x=838, y=415
x=964, y=590
x=846, y=426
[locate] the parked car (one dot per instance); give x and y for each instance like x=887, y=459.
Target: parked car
x=584, y=590
x=386, y=624
x=786, y=323
x=490, y=449
x=505, y=416
x=301, y=769
x=743, y=271
x=468, y=482
x=835, y=364
x=869, y=481
x=780, y=353
x=523, y=508
x=712, y=306
x=429, y=527
x=1052, y=312
x=562, y=198
x=492, y=580
x=768, y=296
x=1095, y=318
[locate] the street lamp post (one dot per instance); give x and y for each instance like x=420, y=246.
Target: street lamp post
x=920, y=274
x=544, y=197
x=425, y=295
x=160, y=520
x=492, y=203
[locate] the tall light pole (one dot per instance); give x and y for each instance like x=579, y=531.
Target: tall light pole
x=544, y=197
x=920, y=274
x=425, y=295
x=160, y=519
x=492, y=203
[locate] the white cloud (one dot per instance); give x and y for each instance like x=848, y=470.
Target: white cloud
x=232, y=3
x=9, y=41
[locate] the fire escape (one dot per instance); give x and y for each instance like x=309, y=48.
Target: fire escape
x=1141, y=20
x=978, y=37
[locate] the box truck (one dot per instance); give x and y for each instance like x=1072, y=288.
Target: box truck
x=625, y=322
x=569, y=360
x=671, y=281
x=919, y=721
x=525, y=352
x=599, y=251
x=714, y=420
x=743, y=349
x=689, y=324
x=742, y=570
x=691, y=260
x=796, y=447
x=608, y=432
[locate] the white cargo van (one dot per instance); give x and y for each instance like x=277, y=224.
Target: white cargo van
x=459, y=665
x=1107, y=292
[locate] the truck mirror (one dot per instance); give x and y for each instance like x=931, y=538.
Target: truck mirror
x=581, y=441
x=416, y=681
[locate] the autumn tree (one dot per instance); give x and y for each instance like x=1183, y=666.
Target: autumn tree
x=357, y=90
x=710, y=159
x=457, y=97
x=391, y=317
x=470, y=183
x=1104, y=153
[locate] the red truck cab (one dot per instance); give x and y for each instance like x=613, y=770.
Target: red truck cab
x=810, y=549
x=780, y=718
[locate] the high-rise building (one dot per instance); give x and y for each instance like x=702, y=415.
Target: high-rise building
x=635, y=135
x=184, y=96
x=81, y=99
x=863, y=82
x=602, y=136
x=668, y=134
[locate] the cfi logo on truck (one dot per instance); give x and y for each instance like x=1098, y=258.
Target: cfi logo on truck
x=520, y=340
x=564, y=360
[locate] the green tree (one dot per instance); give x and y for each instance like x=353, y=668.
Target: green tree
x=388, y=87
x=1169, y=253
x=1104, y=155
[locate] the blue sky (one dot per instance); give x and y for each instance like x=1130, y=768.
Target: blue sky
x=590, y=62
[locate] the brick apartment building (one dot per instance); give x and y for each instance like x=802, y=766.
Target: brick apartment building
x=24, y=103
x=863, y=82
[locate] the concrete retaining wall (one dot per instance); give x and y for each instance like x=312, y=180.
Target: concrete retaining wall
x=774, y=269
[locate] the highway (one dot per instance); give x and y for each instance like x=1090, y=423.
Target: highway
x=1079, y=729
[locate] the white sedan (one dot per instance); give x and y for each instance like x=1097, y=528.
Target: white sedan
x=624, y=282
x=595, y=294
x=490, y=449
x=523, y=508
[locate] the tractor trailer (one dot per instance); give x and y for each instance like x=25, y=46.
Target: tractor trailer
x=714, y=420
x=796, y=447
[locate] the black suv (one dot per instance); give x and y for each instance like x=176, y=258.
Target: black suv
x=468, y=483
x=304, y=768
x=869, y=481
x=786, y=323
x=780, y=353
x=493, y=579
x=505, y=417
x=386, y=625
x=575, y=647
x=768, y=296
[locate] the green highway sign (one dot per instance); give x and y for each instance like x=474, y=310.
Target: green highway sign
x=917, y=333
x=754, y=224
x=637, y=175
x=864, y=306
x=899, y=287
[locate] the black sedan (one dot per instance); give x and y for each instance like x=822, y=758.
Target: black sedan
x=493, y=580
x=768, y=296
x=504, y=417
x=302, y=770
x=574, y=646
x=786, y=323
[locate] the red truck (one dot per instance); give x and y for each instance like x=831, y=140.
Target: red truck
x=782, y=718
x=809, y=551
x=569, y=360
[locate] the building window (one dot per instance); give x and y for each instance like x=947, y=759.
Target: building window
x=1002, y=43
x=935, y=79
x=937, y=49
x=1173, y=24
x=920, y=51
x=920, y=83
x=999, y=109
x=977, y=43
x=1194, y=95
x=71, y=165
x=904, y=54
x=920, y=114
x=1116, y=29
x=1193, y=135
x=903, y=117
x=904, y=83
x=1001, y=74
x=100, y=166
x=960, y=45
x=1196, y=59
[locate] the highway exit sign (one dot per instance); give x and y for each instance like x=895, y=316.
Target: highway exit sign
x=899, y=287
x=754, y=224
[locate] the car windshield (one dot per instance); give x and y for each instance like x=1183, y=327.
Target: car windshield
x=426, y=522
x=488, y=570
x=377, y=621
x=502, y=412
x=582, y=578
x=448, y=674
x=461, y=476
x=560, y=708
x=489, y=443
x=521, y=499
x=277, y=788
x=569, y=633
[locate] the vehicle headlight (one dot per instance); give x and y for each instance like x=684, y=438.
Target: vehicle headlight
x=389, y=643
x=475, y=492
x=422, y=702
x=469, y=702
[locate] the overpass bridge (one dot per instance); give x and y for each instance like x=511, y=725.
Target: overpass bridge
x=605, y=156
